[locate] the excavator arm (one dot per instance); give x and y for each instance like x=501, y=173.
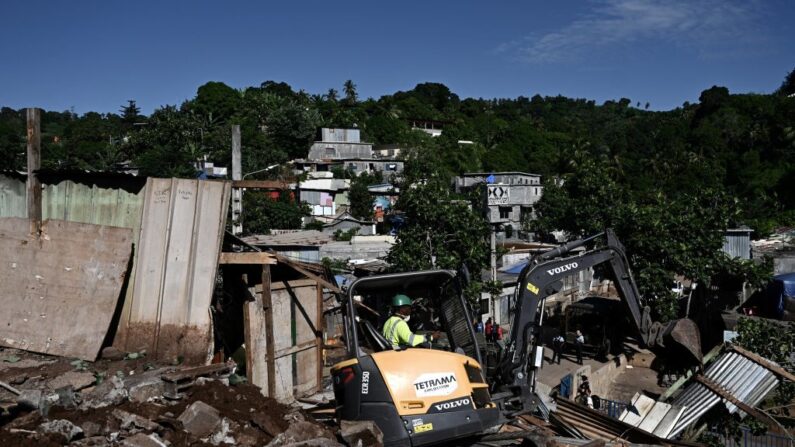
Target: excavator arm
x=544, y=275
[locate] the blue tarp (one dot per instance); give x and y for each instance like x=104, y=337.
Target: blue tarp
x=780, y=288
x=788, y=283
x=515, y=268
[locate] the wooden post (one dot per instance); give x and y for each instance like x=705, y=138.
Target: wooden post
x=237, y=174
x=34, y=163
x=320, y=336
x=270, y=347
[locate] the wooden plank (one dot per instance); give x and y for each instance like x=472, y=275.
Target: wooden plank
x=282, y=285
x=307, y=273
x=725, y=394
x=250, y=257
x=270, y=347
x=59, y=292
x=305, y=314
x=319, y=341
x=283, y=318
x=255, y=334
x=295, y=349
x=34, y=163
x=781, y=372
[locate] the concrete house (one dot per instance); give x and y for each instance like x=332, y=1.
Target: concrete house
x=326, y=196
x=510, y=196
x=344, y=148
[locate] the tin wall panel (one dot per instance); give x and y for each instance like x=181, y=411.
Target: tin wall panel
x=12, y=197
x=182, y=226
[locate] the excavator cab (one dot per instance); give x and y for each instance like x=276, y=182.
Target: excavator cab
x=416, y=396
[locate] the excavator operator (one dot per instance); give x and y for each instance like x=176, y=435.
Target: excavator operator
x=396, y=329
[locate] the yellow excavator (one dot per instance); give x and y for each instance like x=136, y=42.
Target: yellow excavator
x=421, y=397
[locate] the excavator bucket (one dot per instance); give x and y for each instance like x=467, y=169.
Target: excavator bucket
x=684, y=333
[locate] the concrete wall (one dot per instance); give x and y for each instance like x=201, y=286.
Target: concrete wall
x=784, y=264
x=602, y=378
x=323, y=150
x=340, y=135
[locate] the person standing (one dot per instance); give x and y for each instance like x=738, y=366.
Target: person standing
x=478, y=325
x=557, y=347
x=578, y=342
x=489, y=328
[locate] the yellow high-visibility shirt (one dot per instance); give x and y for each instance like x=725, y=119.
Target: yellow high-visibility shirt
x=397, y=332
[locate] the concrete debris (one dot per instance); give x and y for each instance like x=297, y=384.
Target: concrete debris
x=91, y=429
x=111, y=392
x=223, y=434
x=127, y=406
x=301, y=432
x=364, y=433
x=267, y=424
x=200, y=419
x=130, y=421
x=143, y=440
x=78, y=380
x=61, y=427
x=30, y=399
x=145, y=387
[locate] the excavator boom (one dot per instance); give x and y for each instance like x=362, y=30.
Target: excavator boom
x=543, y=276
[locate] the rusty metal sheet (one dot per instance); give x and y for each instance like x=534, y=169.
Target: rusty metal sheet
x=59, y=292
x=177, y=258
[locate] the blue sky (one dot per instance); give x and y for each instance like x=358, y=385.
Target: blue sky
x=94, y=55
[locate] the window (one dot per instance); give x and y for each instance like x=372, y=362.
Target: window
x=505, y=212
x=330, y=152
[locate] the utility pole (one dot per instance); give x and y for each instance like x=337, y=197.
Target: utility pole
x=237, y=174
x=34, y=163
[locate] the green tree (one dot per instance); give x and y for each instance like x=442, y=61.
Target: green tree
x=441, y=230
x=262, y=213
x=360, y=197
x=788, y=86
x=216, y=100
x=349, y=88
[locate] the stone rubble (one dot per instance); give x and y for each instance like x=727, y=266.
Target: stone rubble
x=126, y=403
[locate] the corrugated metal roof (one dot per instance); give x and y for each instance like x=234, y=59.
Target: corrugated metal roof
x=747, y=380
x=737, y=243
x=743, y=378
x=297, y=238
x=332, y=184
x=595, y=425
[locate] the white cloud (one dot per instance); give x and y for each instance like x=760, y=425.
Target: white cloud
x=611, y=24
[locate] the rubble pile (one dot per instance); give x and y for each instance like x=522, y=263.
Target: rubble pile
x=50, y=401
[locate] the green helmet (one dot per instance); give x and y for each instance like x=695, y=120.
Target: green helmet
x=401, y=300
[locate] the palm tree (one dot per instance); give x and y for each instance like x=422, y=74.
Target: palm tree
x=350, y=92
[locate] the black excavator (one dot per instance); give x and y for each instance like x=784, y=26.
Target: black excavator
x=422, y=396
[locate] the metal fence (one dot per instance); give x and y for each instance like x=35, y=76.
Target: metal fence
x=749, y=440
x=611, y=408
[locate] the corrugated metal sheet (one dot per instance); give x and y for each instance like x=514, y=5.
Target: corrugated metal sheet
x=182, y=226
x=745, y=379
x=737, y=243
x=12, y=196
x=595, y=425
x=293, y=238
x=101, y=199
